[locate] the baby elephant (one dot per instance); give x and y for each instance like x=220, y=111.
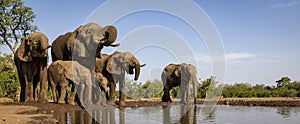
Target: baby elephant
x=62, y=74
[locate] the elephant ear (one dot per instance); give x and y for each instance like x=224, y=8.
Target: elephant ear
x=43, y=40
x=77, y=30
x=113, y=64
x=22, y=52
x=177, y=71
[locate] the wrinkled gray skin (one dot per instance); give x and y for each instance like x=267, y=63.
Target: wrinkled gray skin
x=31, y=62
x=113, y=67
x=180, y=75
x=62, y=74
x=87, y=37
x=84, y=44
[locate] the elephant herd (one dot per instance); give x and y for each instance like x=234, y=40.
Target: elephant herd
x=77, y=62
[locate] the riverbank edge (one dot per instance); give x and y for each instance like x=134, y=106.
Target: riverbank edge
x=274, y=101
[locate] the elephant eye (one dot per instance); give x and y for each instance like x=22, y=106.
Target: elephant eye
x=89, y=31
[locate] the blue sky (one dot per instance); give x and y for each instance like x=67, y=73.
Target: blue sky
x=260, y=38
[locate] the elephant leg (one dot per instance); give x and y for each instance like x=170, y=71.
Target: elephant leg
x=112, y=93
x=122, y=93
x=166, y=96
x=54, y=93
x=87, y=93
x=35, y=89
x=28, y=91
x=195, y=91
x=182, y=94
x=23, y=89
x=73, y=95
x=53, y=87
x=43, y=85
x=63, y=89
x=21, y=79
x=187, y=92
x=96, y=94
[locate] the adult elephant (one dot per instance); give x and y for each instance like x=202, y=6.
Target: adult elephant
x=87, y=37
x=62, y=74
x=180, y=75
x=113, y=67
x=31, y=62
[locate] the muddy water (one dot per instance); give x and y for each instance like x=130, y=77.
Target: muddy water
x=185, y=115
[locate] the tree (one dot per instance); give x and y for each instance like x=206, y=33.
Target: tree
x=9, y=82
x=208, y=87
x=16, y=22
x=284, y=81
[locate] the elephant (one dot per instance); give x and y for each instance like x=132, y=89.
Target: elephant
x=62, y=74
x=180, y=75
x=113, y=67
x=87, y=37
x=31, y=61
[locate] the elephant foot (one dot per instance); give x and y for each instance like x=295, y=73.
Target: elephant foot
x=183, y=102
x=122, y=104
x=72, y=103
x=41, y=100
x=29, y=100
x=112, y=103
x=61, y=102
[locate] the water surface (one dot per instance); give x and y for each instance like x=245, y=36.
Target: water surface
x=186, y=115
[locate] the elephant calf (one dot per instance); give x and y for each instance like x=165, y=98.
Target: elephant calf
x=180, y=75
x=61, y=74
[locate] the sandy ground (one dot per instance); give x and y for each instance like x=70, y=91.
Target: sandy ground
x=16, y=114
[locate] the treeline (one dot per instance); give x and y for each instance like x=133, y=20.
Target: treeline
x=283, y=88
x=209, y=88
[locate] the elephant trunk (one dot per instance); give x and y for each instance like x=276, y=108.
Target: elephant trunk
x=195, y=83
x=137, y=69
x=110, y=34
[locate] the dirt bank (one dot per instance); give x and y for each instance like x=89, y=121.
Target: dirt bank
x=260, y=101
x=16, y=114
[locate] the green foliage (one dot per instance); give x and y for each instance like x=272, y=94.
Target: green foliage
x=284, y=88
x=284, y=81
x=135, y=90
x=209, y=89
x=9, y=83
x=15, y=22
x=175, y=92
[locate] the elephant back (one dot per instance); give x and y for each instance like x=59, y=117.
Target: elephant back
x=59, y=47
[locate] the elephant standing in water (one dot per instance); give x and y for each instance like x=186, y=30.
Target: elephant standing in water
x=61, y=74
x=180, y=75
x=31, y=62
x=113, y=67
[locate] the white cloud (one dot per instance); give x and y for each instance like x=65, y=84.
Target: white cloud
x=237, y=57
x=229, y=57
x=287, y=4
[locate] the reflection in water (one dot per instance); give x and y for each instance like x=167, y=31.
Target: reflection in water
x=209, y=113
x=188, y=115
x=284, y=111
x=184, y=114
x=101, y=116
